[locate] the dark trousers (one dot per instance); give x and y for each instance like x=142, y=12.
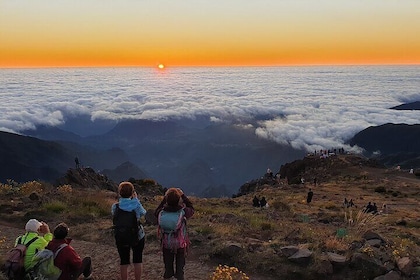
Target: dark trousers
x=168, y=259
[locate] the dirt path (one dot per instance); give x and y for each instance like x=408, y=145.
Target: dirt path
x=106, y=262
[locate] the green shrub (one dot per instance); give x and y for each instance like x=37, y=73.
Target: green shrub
x=55, y=206
x=204, y=230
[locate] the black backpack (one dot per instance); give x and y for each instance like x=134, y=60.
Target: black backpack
x=125, y=227
x=13, y=267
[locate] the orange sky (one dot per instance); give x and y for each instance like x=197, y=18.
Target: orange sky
x=208, y=33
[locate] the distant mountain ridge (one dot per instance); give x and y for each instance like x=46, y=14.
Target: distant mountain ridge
x=201, y=156
x=408, y=106
x=391, y=144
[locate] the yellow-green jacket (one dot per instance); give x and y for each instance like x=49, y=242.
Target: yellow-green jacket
x=35, y=247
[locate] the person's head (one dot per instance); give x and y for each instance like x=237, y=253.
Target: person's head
x=125, y=189
x=32, y=225
x=61, y=231
x=173, y=197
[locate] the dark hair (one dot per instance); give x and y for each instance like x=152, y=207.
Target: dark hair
x=172, y=197
x=126, y=189
x=61, y=231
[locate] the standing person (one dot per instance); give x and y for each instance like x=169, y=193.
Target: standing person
x=175, y=206
x=67, y=260
x=129, y=233
x=310, y=195
x=77, y=162
x=38, y=233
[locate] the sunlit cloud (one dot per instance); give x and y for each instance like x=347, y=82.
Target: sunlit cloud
x=307, y=108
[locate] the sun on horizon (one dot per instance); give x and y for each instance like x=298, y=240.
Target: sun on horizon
x=161, y=66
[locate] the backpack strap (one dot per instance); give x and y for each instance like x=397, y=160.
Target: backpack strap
x=61, y=247
x=31, y=241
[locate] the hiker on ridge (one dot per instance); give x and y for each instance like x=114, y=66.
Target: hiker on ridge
x=263, y=202
x=67, y=260
x=172, y=213
x=309, y=196
x=129, y=233
x=37, y=236
x=77, y=162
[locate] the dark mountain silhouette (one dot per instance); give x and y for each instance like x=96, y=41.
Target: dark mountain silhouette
x=24, y=158
x=392, y=144
x=124, y=171
x=408, y=106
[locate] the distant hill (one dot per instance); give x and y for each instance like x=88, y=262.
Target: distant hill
x=24, y=158
x=392, y=144
x=124, y=172
x=408, y=106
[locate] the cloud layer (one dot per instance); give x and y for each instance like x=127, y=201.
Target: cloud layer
x=310, y=108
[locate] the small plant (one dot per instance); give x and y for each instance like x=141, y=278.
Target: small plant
x=224, y=272
x=6, y=189
x=55, y=206
x=402, y=248
x=360, y=222
x=366, y=249
x=30, y=187
x=205, y=230
x=65, y=189
x=335, y=244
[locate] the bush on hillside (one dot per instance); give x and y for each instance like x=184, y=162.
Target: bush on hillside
x=380, y=189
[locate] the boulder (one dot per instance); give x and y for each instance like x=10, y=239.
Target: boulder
x=374, y=242
x=288, y=251
x=368, y=235
x=405, y=265
x=336, y=259
x=302, y=256
x=367, y=266
x=392, y=275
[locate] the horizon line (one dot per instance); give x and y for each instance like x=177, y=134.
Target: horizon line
x=211, y=66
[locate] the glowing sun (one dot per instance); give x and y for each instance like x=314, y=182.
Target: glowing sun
x=161, y=66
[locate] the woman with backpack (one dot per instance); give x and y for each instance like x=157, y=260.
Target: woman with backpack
x=129, y=233
x=172, y=213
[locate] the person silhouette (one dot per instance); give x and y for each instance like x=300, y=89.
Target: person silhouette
x=309, y=196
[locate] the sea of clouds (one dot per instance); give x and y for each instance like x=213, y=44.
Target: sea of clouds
x=306, y=107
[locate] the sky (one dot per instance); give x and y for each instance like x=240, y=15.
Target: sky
x=101, y=33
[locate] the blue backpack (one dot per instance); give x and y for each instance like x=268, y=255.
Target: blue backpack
x=172, y=230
